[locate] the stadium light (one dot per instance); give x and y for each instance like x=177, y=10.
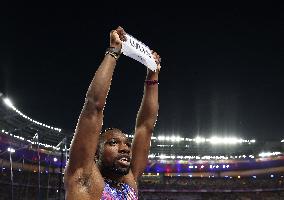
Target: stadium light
x=169, y=138
x=220, y=140
x=267, y=154
x=151, y=156
x=11, y=150
x=230, y=140
x=8, y=103
x=199, y=140
x=29, y=141
x=162, y=156
x=162, y=138
x=208, y=157
x=152, y=138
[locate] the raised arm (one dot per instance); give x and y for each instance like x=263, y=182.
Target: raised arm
x=145, y=122
x=85, y=141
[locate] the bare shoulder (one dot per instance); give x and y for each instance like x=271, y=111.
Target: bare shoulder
x=83, y=184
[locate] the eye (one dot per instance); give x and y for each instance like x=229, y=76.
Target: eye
x=128, y=144
x=112, y=142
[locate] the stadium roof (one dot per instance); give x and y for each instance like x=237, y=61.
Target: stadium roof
x=15, y=123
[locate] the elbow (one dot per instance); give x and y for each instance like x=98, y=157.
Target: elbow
x=93, y=105
x=145, y=128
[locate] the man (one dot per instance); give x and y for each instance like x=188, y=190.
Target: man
x=107, y=165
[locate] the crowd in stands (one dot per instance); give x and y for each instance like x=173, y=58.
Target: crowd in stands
x=242, y=188
x=229, y=183
x=26, y=186
x=275, y=195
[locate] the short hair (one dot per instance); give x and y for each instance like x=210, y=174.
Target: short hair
x=107, y=130
x=101, y=137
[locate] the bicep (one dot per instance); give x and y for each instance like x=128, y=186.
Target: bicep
x=85, y=140
x=140, y=150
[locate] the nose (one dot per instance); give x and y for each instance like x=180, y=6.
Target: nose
x=124, y=148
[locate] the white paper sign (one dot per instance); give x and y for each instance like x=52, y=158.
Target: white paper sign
x=138, y=51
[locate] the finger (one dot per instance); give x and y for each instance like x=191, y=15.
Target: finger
x=119, y=28
x=124, y=36
x=111, y=32
x=121, y=33
x=154, y=54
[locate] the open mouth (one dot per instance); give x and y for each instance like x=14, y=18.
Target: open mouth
x=124, y=160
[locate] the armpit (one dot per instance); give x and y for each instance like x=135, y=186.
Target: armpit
x=84, y=180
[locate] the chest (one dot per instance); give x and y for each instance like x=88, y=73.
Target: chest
x=124, y=192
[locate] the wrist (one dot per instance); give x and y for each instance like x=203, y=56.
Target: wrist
x=151, y=82
x=114, y=52
x=152, y=75
x=118, y=47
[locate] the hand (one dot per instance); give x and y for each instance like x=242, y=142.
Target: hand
x=157, y=59
x=117, y=36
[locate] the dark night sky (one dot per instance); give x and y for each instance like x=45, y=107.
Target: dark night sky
x=221, y=67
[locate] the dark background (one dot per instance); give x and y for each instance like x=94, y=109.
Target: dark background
x=221, y=66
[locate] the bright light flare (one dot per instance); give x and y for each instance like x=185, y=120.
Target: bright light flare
x=267, y=154
x=199, y=140
x=226, y=140
x=11, y=150
x=8, y=103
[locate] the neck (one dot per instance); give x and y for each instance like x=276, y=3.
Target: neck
x=112, y=177
x=109, y=174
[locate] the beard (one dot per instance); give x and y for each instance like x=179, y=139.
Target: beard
x=115, y=168
x=120, y=170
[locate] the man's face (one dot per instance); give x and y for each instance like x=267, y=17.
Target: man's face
x=115, y=155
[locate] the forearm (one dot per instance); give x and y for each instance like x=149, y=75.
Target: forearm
x=145, y=123
x=147, y=114
x=99, y=87
x=90, y=121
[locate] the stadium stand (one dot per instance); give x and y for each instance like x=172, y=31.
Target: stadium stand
x=33, y=156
